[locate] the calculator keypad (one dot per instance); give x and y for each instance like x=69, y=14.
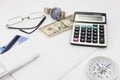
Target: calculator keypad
x=89, y=34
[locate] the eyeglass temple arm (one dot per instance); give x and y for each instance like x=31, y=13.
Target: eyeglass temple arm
x=44, y=17
x=19, y=28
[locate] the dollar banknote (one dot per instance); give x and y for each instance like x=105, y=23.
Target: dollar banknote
x=58, y=26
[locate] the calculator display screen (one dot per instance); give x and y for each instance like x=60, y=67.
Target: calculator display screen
x=89, y=18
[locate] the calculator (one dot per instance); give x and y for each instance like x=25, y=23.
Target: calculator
x=89, y=28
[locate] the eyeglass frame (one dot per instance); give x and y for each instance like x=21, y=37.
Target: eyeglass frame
x=21, y=29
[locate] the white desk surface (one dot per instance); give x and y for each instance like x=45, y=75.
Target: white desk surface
x=58, y=59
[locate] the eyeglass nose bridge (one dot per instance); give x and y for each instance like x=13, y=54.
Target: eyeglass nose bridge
x=25, y=18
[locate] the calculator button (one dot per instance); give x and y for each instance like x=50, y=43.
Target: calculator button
x=101, y=31
x=76, y=36
x=83, y=29
x=101, y=40
x=94, y=37
x=75, y=39
x=94, y=25
x=101, y=34
x=95, y=41
x=82, y=33
x=83, y=26
x=76, y=32
x=82, y=40
x=88, y=40
x=95, y=30
x=94, y=34
x=88, y=37
x=89, y=29
x=101, y=27
x=88, y=33
x=77, y=29
x=82, y=36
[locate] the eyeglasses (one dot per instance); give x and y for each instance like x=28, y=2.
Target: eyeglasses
x=19, y=19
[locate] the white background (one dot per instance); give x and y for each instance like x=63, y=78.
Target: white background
x=58, y=59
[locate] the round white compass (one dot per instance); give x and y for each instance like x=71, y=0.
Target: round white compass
x=102, y=68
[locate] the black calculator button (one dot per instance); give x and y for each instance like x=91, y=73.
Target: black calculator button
x=95, y=30
x=76, y=32
x=95, y=41
x=102, y=40
x=88, y=40
x=88, y=33
x=82, y=36
x=88, y=37
x=82, y=40
x=82, y=33
x=89, y=29
x=94, y=37
x=101, y=34
x=77, y=29
x=76, y=36
x=94, y=34
x=101, y=31
x=101, y=27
